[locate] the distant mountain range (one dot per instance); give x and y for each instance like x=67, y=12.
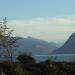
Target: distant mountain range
x=36, y=46
x=68, y=47
x=41, y=47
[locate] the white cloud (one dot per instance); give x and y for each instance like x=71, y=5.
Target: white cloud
x=44, y=27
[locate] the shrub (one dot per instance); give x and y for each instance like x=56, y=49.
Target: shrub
x=25, y=59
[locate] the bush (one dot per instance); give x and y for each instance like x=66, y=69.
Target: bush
x=25, y=59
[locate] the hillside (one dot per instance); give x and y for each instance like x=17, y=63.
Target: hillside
x=36, y=46
x=68, y=47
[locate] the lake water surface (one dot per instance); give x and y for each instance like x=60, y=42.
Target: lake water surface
x=56, y=57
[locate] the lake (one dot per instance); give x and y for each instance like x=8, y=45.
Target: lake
x=55, y=57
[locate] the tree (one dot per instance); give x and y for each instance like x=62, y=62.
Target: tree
x=25, y=58
x=8, y=43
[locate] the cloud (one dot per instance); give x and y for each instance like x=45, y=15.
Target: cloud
x=44, y=27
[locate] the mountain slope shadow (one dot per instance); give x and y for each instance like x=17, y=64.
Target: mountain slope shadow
x=68, y=47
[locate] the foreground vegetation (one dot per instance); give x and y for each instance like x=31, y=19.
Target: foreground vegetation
x=42, y=68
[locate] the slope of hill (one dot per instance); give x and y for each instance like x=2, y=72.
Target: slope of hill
x=68, y=47
x=36, y=46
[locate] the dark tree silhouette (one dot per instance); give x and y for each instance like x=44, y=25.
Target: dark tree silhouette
x=23, y=58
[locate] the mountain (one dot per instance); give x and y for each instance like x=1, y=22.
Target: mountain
x=57, y=44
x=68, y=47
x=36, y=46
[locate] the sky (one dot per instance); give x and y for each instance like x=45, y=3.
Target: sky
x=50, y=20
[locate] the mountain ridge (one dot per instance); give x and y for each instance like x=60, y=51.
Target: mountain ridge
x=68, y=47
x=36, y=46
